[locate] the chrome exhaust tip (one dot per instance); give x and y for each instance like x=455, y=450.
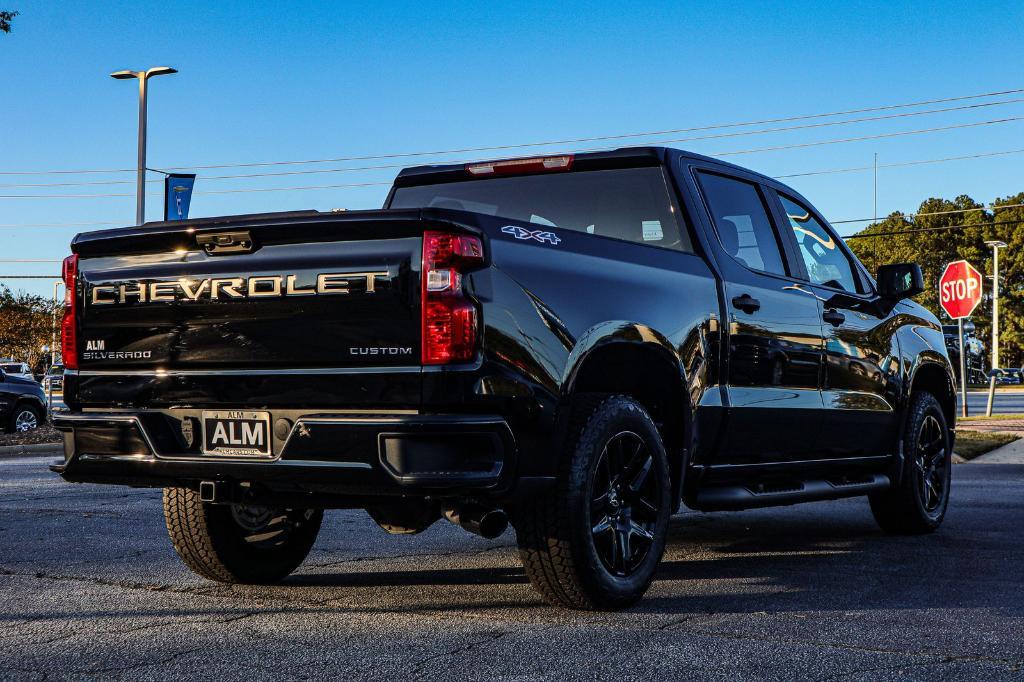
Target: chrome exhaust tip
x=487, y=523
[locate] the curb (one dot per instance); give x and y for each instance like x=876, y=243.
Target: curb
x=33, y=450
x=1011, y=453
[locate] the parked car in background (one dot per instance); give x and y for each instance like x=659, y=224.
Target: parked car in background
x=53, y=388
x=1007, y=376
x=976, y=354
x=22, y=403
x=18, y=369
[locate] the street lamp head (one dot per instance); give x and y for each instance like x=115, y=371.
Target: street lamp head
x=128, y=74
x=160, y=71
x=996, y=244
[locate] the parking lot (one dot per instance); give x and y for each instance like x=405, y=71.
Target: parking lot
x=91, y=587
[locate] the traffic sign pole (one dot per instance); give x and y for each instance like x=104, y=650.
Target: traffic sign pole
x=963, y=370
x=959, y=295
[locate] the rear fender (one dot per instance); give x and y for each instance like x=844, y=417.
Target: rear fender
x=657, y=380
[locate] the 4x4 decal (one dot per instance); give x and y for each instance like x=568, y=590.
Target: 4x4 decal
x=539, y=235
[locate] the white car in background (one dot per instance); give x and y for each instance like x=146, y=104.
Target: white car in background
x=17, y=369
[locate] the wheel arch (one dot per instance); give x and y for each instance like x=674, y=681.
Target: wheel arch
x=634, y=359
x=29, y=400
x=934, y=376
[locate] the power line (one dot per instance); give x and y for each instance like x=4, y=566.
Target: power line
x=744, y=133
x=371, y=184
x=899, y=165
x=87, y=224
x=218, y=191
x=789, y=175
x=991, y=207
x=578, y=140
x=862, y=139
x=931, y=229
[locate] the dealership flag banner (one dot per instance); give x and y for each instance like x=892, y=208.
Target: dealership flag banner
x=178, y=195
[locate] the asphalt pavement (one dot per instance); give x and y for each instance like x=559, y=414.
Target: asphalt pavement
x=1006, y=402
x=90, y=587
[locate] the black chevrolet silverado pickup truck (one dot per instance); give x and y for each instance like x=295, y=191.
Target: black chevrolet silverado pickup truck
x=576, y=343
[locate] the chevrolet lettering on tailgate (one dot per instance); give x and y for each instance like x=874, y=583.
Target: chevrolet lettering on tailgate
x=224, y=288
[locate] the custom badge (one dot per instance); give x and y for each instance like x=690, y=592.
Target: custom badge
x=187, y=431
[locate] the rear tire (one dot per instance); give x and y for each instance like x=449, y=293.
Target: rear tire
x=918, y=504
x=595, y=540
x=238, y=543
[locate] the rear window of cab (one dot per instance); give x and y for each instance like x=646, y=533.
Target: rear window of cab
x=630, y=204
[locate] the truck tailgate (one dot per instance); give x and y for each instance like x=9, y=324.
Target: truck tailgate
x=192, y=307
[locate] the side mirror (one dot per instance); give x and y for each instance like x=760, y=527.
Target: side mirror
x=3, y=375
x=899, y=281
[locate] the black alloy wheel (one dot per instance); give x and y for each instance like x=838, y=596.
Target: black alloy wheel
x=594, y=541
x=930, y=466
x=268, y=527
x=624, y=506
x=918, y=500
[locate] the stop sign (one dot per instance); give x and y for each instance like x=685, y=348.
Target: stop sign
x=959, y=289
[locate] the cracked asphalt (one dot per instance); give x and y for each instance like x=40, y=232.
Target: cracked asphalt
x=90, y=587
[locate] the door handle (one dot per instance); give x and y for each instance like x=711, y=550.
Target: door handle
x=746, y=303
x=833, y=317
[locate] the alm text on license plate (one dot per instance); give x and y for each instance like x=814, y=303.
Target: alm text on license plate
x=236, y=433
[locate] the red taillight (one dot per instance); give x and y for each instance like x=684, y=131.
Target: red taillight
x=512, y=166
x=449, y=318
x=69, y=323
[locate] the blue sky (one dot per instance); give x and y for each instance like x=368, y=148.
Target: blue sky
x=312, y=80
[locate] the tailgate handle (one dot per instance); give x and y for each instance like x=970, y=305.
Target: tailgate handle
x=222, y=243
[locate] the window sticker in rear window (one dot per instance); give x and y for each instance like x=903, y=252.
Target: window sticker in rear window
x=652, y=231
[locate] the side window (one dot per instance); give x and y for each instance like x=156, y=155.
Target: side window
x=825, y=260
x=742, y=223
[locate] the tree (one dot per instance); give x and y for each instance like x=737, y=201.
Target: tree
x=5, y=20
x=932, y=250
x=26, y=325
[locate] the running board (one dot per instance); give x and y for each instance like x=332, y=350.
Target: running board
x=772, y=493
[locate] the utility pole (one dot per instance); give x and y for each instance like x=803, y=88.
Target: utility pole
x=140, y=180
x=875, y=190
x=996, y=245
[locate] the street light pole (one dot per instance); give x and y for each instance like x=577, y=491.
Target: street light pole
x=996, y=245
x=140, y=180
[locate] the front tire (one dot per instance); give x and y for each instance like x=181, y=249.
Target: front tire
x=25, y=418
x=918, y=504
x=238, y=543
x=595, y=540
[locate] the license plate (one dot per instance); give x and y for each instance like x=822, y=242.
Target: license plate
x=236, y=433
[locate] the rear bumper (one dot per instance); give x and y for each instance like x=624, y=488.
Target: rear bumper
x=345, y=455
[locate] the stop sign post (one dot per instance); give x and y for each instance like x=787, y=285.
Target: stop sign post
x=959, y=295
